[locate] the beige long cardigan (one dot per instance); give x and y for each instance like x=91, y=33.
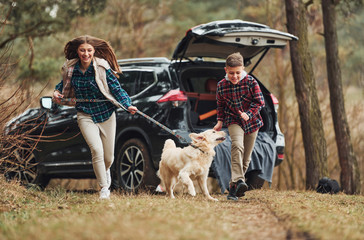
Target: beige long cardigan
x=100, y=65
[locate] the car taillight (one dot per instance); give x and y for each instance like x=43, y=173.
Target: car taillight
x=280, y=153
x=275, y=101
x=174, y=96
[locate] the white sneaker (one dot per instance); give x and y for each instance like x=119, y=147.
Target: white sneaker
x=104, y=193
x=108, y=178
x=159, y=189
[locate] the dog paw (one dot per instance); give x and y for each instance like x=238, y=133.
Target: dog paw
x=213, y=199
x=191, y=191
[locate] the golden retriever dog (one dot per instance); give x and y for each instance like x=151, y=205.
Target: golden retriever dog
x=189, y=163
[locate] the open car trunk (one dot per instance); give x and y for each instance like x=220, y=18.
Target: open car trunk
x=216, y=40
x=221, y=38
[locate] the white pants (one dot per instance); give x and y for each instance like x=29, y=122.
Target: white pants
x=100, y=137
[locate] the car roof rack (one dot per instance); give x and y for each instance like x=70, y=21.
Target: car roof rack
x=144, y=60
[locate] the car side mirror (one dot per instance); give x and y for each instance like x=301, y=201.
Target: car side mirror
x=46, y=102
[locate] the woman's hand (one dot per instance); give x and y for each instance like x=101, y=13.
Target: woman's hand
x=132, y=109
x=243, y=115
x=57, y=96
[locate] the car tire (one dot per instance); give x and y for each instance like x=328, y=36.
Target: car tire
x=23, y=167
x=253, y=180
x=134, y=169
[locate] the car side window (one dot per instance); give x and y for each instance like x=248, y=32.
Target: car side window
x=128, y=80
x=136, y=81
x=147, y=79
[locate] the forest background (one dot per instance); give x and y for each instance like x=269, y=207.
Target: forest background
x=152, y=28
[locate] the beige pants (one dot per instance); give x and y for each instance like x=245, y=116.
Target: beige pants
x=100, y=137
x=241, y=150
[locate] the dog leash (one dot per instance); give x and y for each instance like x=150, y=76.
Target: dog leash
x=74, y=100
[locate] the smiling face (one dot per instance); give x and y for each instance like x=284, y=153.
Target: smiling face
x=85, y=52
x=234, y=73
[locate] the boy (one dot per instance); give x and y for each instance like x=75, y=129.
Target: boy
x=239, y=100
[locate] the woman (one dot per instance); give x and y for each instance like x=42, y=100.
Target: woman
x=90, y=77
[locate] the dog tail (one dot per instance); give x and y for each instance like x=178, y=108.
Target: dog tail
x=169, y=144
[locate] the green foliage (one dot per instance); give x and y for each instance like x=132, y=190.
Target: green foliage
x=42, y=70
x=142, y=28
x=348, y=7
x=190, y=13
x=33, y=18
x=27, y=21
x=351, y=37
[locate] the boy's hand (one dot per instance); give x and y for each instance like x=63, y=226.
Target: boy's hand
x=218, y=126
x=243, y=115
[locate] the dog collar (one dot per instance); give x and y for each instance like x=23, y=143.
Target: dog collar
x=197, y=148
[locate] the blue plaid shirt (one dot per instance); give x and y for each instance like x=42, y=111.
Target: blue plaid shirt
x=245, y=96
x=85, y=87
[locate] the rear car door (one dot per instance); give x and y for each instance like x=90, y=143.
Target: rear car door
x=221, y=38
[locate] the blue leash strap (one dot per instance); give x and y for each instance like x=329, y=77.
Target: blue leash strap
x=161, y=126
x=139, y=112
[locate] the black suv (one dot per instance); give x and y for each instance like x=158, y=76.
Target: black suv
x=179, y=93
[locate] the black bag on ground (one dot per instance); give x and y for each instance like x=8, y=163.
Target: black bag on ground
x=327, y=185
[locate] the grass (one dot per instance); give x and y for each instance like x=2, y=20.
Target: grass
x=60, y=214
x=325, y=216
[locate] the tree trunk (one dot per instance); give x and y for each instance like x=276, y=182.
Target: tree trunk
x=350, y=175
x=310, y=115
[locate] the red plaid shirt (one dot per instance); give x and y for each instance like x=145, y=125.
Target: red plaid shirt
x=245, y=96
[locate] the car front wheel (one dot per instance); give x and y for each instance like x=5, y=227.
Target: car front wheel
x=23, y=167
x=134, y=170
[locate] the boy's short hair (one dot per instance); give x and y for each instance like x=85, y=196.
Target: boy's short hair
x=234, y=60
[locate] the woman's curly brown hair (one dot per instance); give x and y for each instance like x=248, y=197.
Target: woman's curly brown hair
x=102, y=50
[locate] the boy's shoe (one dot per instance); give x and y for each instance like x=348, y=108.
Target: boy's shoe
x=104, y=193
x=108, y=178
x=237, y=190
x=232, y=192
x=241, y=188
x=232, y=197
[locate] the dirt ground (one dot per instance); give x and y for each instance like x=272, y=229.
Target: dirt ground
x=262, y=223
x=251, y=220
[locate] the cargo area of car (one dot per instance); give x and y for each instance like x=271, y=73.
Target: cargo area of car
x=200, y=86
